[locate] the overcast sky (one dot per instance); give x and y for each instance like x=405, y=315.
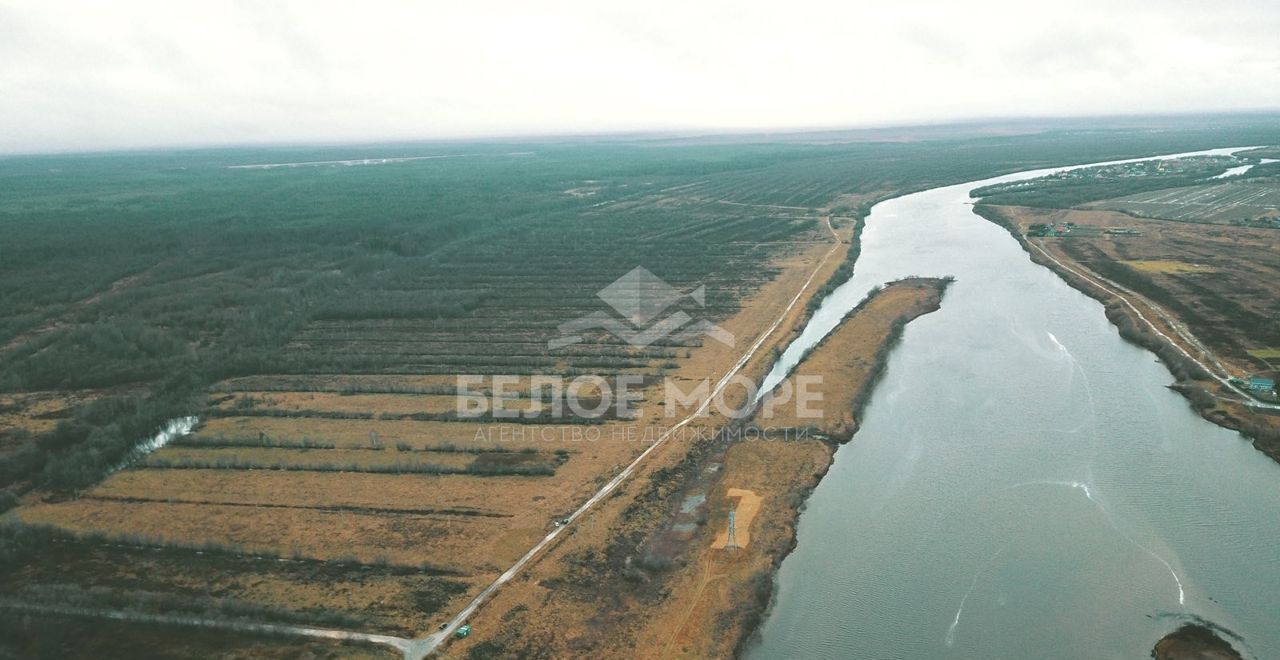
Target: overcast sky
x=93, y=75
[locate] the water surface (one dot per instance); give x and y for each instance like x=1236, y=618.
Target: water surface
x=1024, y=484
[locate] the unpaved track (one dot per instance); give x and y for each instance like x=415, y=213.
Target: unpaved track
x=707, y=577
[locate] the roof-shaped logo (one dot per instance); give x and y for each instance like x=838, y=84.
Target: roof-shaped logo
x=642, y=299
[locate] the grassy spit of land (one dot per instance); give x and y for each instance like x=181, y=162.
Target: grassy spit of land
x=844, y=366
x=650, y=576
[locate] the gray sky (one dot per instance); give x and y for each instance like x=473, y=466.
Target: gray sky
x=130, y=73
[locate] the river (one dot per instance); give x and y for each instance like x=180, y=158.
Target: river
x=1024, y=485
x=1237, y=171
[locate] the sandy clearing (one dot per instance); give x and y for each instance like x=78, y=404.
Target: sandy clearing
x=748, y=504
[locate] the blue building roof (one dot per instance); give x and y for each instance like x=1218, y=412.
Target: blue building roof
x=1263, y=384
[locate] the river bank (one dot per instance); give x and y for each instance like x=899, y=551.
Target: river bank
x=1194, y=642
x=597, y=587
x=1207, y=396
x=768, y=317
x=1017, y=466
x=1010, y=466
x=677, y=587
x=727, y=590
x=841, y=370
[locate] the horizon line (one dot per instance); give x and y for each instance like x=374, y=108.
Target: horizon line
x=653, y=133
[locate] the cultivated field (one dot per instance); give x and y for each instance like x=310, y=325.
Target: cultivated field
x=1234, y=202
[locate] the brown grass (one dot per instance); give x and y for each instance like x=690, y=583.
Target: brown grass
x=348, y=433
x=333, y=382
x=349, y=403
x=710, y=623
x=319, y=457
x=328, y=489
x=1168, y=267
x=467, y=544
x=39, y=412
x=386, y=598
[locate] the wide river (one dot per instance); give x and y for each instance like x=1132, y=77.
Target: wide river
x=1024, y=485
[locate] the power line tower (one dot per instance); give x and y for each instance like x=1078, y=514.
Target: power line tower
x=732, y=541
